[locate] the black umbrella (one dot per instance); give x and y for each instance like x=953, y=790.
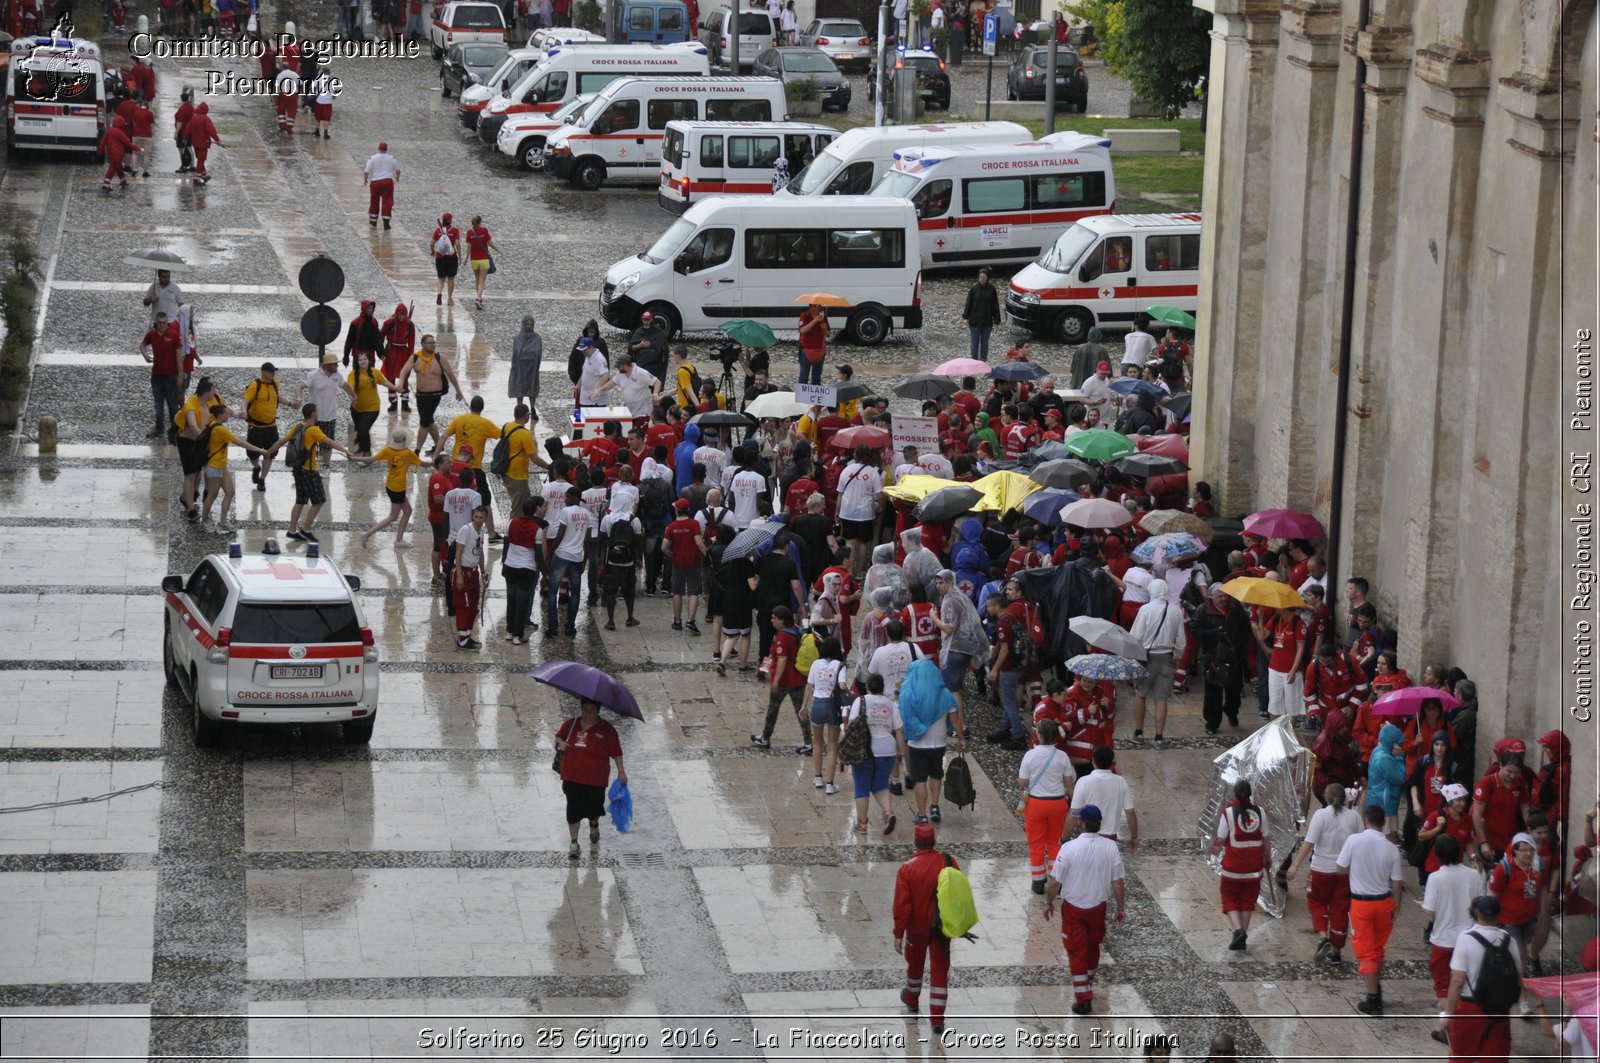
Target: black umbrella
x=720, y=419
x=852, y=390
x=1148, y=465
x=1179, y=404
x=925, y=386
x=1066, y=473
x=947, y=503
x=1049, y=450
x=1019, y=371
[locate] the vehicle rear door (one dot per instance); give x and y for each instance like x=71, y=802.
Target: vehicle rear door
x=296, y=653
x=196, y=611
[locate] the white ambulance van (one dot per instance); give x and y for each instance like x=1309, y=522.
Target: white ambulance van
x=472, y=99
x=569, y=72
x=524, y=136
x=270, y=638
x=853, y=163
x=700, y=159
x=995, y=203
x=733, y=257
x=618, y=136
x=1104, y=270
x=55, y=95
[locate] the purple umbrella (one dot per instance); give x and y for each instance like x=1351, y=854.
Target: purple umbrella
x=591, y=684
x=1408, y=700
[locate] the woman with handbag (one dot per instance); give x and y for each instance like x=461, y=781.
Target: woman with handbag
x=586, y=747
x=887, y=743
x=1046, y=777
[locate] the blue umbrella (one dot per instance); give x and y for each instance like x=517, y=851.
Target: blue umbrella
x=1045, y=506
x=1172, y=546
x=589, y=684
x=1106, y=666
x=1128, y=385
x=1019, y=371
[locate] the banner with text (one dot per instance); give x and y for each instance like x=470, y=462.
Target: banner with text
x=816, y=395
x=919, y=432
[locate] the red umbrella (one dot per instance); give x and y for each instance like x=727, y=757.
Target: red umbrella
x=1582, y=993
x=873, y=436
x=1283, y=524
x=1168, y=446
x=1407, y=701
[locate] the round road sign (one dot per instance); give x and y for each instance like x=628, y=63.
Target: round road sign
x=321, y=279
x=320, y=325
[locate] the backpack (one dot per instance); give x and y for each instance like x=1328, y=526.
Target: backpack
x=1029, y=647
x=1498, y=984
x=855, y=743
x=655, y=498
x=1171, y=360
x=958, y=788
x=444, y=245
x=694, y=382
x=500, y=463
x=621, y=546
x=806, y=655
x=957, y=913
x=294, y=449
x=575, y=365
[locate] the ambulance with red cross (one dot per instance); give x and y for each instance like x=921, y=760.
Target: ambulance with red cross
x=270, y=638
x=1104, y=270
x=55, y=95
x=994, y=203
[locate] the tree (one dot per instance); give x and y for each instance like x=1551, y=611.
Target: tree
x=1163, y=47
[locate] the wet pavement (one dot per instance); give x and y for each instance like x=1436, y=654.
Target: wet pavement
x=290, y=896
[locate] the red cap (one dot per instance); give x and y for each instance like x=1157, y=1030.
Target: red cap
x=923, y=835
x=383, y=145
x=681, y=505
x=465, y=450
x=1510, y=745
x=447, y=217
x=1103, y=367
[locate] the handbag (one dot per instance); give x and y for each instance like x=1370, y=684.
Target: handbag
x=855, y=744
x=491, y=264
x=555, y=762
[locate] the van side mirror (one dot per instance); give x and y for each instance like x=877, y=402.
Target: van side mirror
x=354, y=582
x=681, y=265
x=171, y=584
x=1084, y=274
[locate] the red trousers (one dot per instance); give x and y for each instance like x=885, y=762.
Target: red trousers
x=1082, y=930
x=1475, y=1036
x=200, y=153
x=1240, y=894
x=1439, y=967
x=381, y=201
x=467, y=593
x=1328, y=901
x=936, y=954
x=394, y=360
x=113, y=166
x=288, y=106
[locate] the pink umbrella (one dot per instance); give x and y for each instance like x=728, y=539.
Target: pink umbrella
x=962, y=367
x=1582, y=993
x=1096, y=513
x=1283, y=524
x=1168, y=446
x=1407, y=701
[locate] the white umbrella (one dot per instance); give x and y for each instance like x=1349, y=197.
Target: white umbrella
x=1096, y=513
x=776, y=404
x=1105, y=635
x=157, y=258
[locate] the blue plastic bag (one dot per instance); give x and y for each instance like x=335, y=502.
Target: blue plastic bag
x=621, y=809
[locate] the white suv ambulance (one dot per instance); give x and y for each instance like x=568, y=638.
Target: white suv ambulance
x=270, y=638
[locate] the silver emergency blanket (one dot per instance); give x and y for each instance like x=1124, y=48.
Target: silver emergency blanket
x=1279, y=770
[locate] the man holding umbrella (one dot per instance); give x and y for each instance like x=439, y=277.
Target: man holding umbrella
x=163, y=297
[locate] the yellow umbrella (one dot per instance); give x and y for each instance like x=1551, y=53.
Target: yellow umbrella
x=1004, y=490
x=821, y=299
x=1268, y=592
x=915, y=487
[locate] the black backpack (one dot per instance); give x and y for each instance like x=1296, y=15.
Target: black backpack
x=655, y=498
x=622, y=547
x=500, y=463
x=294, y=449
x=694, y=383
x=1498, y=984
x=958, y=788
x=575, y=364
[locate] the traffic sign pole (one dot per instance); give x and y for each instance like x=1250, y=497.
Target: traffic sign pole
x=991, y=32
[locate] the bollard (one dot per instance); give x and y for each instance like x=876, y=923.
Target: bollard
x=144, y=24
x=47, y=435
x=377, y=98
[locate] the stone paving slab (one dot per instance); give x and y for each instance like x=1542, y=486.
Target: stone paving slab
x=58, y=709
x=76, y=926
x=75, y=1031
x=127, y=824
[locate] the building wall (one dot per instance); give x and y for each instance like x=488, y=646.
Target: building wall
x=1474, y=262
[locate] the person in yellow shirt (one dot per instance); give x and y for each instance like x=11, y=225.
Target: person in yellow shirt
x=401, y=459
x=261, y=420
x=683, y=377
x=191, y=419
x=518, y=435
x=364, y=381
x=310, y=495
x=214, y=441
x=849, y=407
x=475, y=430
x=806, y=428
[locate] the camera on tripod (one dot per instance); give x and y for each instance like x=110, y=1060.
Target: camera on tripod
x=728, y=354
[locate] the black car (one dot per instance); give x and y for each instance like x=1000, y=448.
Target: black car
x=800, y=63
x=1026, y=79
x=468, y=64
x=933, y=81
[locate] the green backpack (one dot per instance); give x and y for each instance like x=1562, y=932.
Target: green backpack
x=958, y=913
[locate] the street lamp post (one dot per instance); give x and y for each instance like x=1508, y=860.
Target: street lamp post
x=883, y=40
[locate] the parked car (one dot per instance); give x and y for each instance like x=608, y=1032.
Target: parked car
x=466, y=65
x=799, y=63
x=933, y=81
x=844, y=40
x=466, y=22
x=1026, y=78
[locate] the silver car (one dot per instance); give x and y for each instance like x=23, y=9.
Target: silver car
x=844, y=40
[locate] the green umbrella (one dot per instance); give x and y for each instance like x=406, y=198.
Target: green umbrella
x=749, y=334
x=1100, y=444
x=1171, y=315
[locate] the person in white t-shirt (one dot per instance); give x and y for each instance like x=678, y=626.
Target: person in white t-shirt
x=1110, y=793
x=1327, y=891
x=860, y=484
x=893, y=659
x=1138, y=346
x=1046, y=777
x=1475, y=1034
x=466, y=575
x=825, y=687
x=888, y=749
x=747, y=489
x=638, y=388
x=715, y=459
x=596, y=375
x=715, y=515
x=570, y=532
x=1447, y=900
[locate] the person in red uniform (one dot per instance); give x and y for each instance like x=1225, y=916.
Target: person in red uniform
x=141, y=79
x=588, y=746
x=115, y=145
x=201, y=134
x=917, y=619
x=849, y=595
x=1453, y=817
x=1521, y=881
x=399, y=337
x=1053, y=706
x=1088, y=872
x=1420, y=731
x=365, y=336
x=286, y=94
x=180, y=130
x=814, y=332
x=1090, y=722
x=1242, y=839
x=1501, y=802
x=916, y=904
x=440, y=483
x=1552, y=787
x=1334, y=680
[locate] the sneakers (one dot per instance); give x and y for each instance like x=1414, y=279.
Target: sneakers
x=858, y=827
x=1440, y=1036
x=405, y=403
x=611, y=625
x=919, y=819
x=758, y=741
x=221, y=528
x=830, y=789
x=1238, y=942
x=1335, y=957
x=804, y=750
x=1138, y=736
x=594, y=834
x=816, y=782
x=908, y=1000
x=632, y=622
x=677, y=625
x=307, y=536
x=888, y=824
x=1525, y=1009
x=572, y=851
x=1372, y=1005
x=515, y=640
x=933, y=813
x=1082, y=1007
x=896, y=787
x=1323, y=948
x=299, y=537
x=691, y=628
x=1038, y=886
x=469, y=644
x=999, y=735
x=402, y=544
x=386, y=224
x=1160, y=742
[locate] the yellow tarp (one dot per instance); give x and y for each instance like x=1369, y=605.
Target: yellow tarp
x=1003, y=491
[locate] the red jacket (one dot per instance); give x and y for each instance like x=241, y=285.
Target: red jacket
x=1341, y=684
x=200, y=131
x=180, y=119
x=1554, y=780
x=115, y=144
x=916, y=893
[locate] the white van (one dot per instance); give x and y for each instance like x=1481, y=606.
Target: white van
x=700, y=159
x=739, y=257
x=472, y=99
x=756, y=34
x=619, y=134
x=523, y=137
x=466, y=22
x=549, y=38
x=1104, y=270
x=55, y=95
x=996, y=203
x=854, y=162
x=569, y=72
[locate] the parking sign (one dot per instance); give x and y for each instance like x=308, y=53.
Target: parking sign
x=991, y=33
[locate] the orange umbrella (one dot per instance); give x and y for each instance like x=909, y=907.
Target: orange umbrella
x=821, y=299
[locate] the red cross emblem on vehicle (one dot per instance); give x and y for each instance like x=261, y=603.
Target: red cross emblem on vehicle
x=939, y=242
x=708, y=283
x=278, y=569
x=1108, y=293
x=622, y=152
